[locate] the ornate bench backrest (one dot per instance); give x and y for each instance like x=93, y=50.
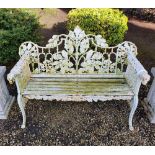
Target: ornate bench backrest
x=77, y=53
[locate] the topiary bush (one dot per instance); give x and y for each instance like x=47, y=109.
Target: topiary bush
x=16, y=26
x=110, y=23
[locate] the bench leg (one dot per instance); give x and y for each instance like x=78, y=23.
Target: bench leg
x=21, y=106
x=134, y=104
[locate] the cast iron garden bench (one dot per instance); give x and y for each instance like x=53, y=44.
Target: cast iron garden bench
x=78, y=67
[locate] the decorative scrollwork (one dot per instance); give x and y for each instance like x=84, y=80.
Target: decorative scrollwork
x=77, y=53
x=58, y=62
x=96, y=61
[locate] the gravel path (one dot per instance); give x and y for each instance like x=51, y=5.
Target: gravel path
x=71, y=123
x=68, y=123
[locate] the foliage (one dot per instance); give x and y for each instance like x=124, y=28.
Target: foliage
x=16, y=26
x=40, y=12
x=147, y=14
x=110, y=23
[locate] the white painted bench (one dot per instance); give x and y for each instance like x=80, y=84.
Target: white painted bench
x=78, y=67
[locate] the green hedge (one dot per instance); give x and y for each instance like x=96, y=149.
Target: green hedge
x=16, y=26
x=110, y=23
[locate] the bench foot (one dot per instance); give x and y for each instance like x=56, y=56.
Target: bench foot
x=23, y=126
x=131, y=128
x=134, y=104
x=21, y=104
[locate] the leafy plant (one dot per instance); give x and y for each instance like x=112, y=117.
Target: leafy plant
x=110, y=23
x=16, y=26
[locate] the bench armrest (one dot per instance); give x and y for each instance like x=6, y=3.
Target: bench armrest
x=135, y=73
x=20, y=73
x=139, y=69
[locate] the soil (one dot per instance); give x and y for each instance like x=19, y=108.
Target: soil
x=142, y=33
x=74, y=123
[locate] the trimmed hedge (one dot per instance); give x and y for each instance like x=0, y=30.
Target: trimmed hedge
x=16, y=26
x=110, y=23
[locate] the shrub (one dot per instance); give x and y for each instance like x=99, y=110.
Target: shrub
x=110, y=23
x=16, y=26
x=147, y=14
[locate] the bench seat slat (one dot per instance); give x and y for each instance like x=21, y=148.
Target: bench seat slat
x=77, y=76
x=50, y=93
x=76, y=86
x=47, y=80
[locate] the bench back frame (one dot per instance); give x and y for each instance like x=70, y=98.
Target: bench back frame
x=77, y=53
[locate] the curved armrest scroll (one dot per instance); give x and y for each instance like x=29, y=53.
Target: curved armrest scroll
x=140, y=70
x=18, y=68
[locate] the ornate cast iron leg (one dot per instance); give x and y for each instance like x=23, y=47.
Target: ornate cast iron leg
x=21, y=106
x=134, y=104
